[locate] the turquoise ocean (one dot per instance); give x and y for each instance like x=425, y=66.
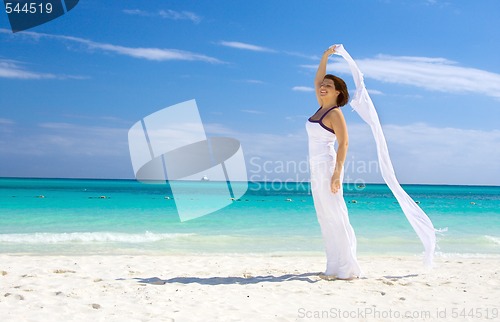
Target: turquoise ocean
x=80, y=216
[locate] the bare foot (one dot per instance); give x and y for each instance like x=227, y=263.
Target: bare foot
x=348, y=278
x=327, y=277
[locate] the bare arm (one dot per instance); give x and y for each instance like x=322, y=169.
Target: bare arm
x=335, y=119
x=321, y=72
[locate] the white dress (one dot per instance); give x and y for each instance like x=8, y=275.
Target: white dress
x=331, y=209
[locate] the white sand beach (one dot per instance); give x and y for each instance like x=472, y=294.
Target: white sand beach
x=244, y=288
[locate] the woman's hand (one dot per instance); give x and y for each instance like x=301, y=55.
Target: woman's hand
x=330, y=50
x=335, y=183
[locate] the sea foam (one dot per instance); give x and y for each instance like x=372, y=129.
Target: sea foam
x=87, y=237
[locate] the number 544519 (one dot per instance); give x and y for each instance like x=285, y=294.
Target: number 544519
x=32, y=7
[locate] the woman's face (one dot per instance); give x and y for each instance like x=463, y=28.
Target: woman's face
x=327, y=89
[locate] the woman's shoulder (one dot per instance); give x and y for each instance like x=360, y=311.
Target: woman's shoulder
x=334, y=113
x=334, y=118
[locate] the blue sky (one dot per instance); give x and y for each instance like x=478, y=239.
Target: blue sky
x=70, y=89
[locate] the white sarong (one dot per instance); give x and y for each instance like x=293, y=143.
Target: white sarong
x=363, y=105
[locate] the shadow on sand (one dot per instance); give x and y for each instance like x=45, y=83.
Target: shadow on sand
x=230, y=280
x=400, y=277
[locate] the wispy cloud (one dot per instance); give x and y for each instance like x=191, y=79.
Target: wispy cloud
x=6, y=125
x=295, y=118
x=136, y=12
x=252, y=111
x=296, y=54
x=435, y=74
x=4, y=121
x=167, y=14
x=251, y=81
x=148, y=53
x=424, y=150
x=15, y=70
x=12, y=69
x=97, y=119
x=257, y=48
x=375, y=92
x=66, y=139
x=303, y=89
x=183, y=15
x=421, y=153
x=65, y=150
x=155, y=54
x=440, y=4
x=245, y=46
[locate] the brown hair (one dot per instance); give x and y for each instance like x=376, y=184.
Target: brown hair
x=340, y=86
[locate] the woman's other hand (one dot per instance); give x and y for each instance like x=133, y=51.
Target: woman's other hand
x=335, y=183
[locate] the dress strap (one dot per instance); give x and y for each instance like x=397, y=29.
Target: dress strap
x=320, y=121
x=324, y=114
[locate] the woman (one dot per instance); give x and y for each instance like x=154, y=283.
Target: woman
x=325, y=127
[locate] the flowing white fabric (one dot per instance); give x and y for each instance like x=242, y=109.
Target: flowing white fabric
x=363, y=105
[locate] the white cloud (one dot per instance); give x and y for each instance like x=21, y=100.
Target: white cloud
x=252, y=47
x=253, y=81
x=299, y=118
x=183, y=15
x=148, y=53
x=12, y=69
x=303, y=89
x=167, y=14
x=156, y=54
x=420, y=154
x=245, y=46
x=65, y=150
x=6, y=125
x=450, y=155
x=4, y=121
x=66, y=139
x=435, y=74
x=375, y=92
x=97, y=119
x=440, y=4
x=137, y=12
x=252, y=112
x=250, y=81
x=426, y=154
x=296, y=54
